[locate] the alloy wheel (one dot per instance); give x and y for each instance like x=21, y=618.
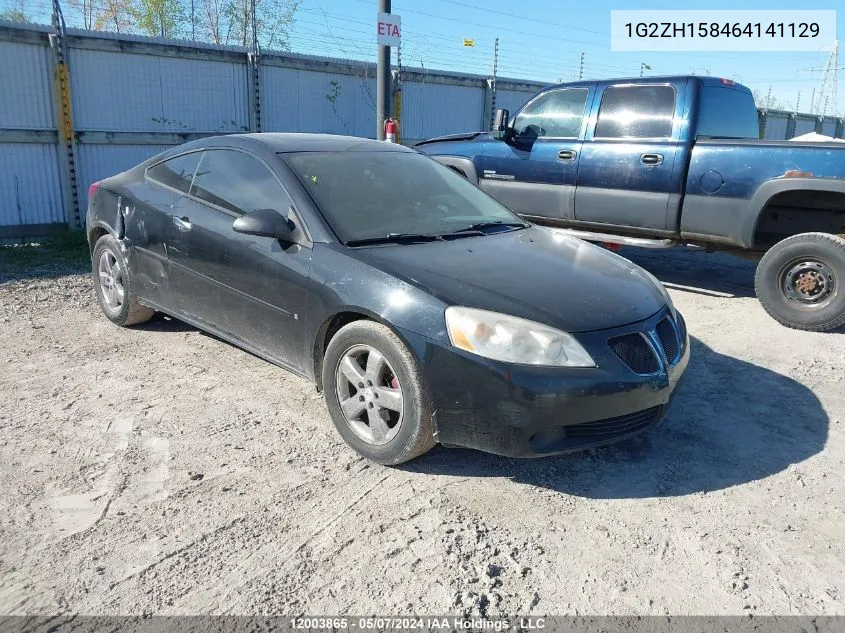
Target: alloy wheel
x=111, y=281
x=369, y=394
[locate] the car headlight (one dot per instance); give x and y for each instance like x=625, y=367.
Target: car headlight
x=659, y=285
x=513, y=340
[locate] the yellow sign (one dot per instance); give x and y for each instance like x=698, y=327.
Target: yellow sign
x=469, y=43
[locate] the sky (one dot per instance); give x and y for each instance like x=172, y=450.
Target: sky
x=543, y=40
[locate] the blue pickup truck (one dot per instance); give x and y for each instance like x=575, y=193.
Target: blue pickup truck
x=663, y=161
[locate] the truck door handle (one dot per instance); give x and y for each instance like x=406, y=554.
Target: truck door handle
x=183, y=223
x=566, y=154
x=651, y=159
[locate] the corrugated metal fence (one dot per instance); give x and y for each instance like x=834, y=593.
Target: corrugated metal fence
x=132, y=97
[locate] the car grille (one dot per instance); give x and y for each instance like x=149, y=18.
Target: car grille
x=641, y=356
x=635, y=351
x=668, y=339
x=612, y=427
x=561, y=438
x=682, y=331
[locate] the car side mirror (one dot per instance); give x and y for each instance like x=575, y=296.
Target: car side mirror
x=500, y=124
x=265, y=223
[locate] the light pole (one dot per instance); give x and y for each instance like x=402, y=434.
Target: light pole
x=382, y=80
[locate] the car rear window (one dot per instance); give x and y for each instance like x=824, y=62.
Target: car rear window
x=176, y=172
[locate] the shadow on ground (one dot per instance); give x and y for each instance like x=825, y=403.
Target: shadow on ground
x=164, y=323
x=732, y=422
x=716, y=272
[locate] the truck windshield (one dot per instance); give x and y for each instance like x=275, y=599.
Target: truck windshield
x=367, y=195
x=727, y=112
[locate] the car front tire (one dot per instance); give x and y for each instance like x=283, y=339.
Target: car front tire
x=800, y=282
x=375, y=394
x=113, y=285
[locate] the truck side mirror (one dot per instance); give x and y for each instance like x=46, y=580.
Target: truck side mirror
x=500, y=123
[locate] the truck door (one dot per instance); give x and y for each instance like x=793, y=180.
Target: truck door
x=627, y=175
x=534, y=173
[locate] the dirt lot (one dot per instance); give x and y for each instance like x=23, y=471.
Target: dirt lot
x=734, y=505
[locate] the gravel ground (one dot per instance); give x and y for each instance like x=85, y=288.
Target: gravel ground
x=159, y=470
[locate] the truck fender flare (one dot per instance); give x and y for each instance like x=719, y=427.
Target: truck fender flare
x=460, y=164
x=769, y=189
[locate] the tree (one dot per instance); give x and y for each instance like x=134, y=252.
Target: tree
x=101, y=15
x=115, y=15
x=766, y=101
x=230, y=21
x=159, y=18
x=15, y=12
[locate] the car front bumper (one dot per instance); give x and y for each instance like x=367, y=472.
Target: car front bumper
x=528, y=411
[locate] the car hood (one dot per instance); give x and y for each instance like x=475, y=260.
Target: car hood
x=534, y=273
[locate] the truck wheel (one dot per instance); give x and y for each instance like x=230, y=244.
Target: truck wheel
x=801, y=282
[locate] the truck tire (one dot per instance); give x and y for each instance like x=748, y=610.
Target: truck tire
x=800, y=282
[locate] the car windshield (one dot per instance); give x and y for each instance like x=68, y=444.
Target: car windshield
x=372, y=195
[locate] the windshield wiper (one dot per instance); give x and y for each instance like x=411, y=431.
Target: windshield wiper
x=490, y=224
x=394, y=238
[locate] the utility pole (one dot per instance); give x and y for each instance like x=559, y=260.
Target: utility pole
x=581, y=69
x=397, y=93
x=769, y=98
x=382, y=80
x=493, y=83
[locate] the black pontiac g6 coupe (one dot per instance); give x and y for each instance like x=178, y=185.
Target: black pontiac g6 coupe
x=425, y=310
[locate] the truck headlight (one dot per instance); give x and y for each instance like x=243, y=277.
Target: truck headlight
x=513, y=340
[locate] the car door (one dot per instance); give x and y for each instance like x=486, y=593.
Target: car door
x=534, y=173
x=249, y=288
x=147, y=223
x=627, y=168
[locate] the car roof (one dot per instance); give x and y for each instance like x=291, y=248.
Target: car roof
x=298, y=142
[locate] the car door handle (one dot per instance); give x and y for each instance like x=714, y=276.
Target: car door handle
x=651, y=159
x=566, y=154
x=183, y=223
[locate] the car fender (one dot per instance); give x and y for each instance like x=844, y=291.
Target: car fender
x=766, y=191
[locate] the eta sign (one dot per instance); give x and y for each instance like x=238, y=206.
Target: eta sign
x=388, y=29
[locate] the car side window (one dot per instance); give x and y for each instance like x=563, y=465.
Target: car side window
x=238, y=182
x=177, y=172
x=636, y=112
x=556, y=114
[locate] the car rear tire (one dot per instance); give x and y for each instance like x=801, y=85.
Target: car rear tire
x=376, y=395
x=113, y=285
x=800, y=282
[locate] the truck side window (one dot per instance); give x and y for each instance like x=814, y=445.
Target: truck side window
x=555, y=114
x=636, y=112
